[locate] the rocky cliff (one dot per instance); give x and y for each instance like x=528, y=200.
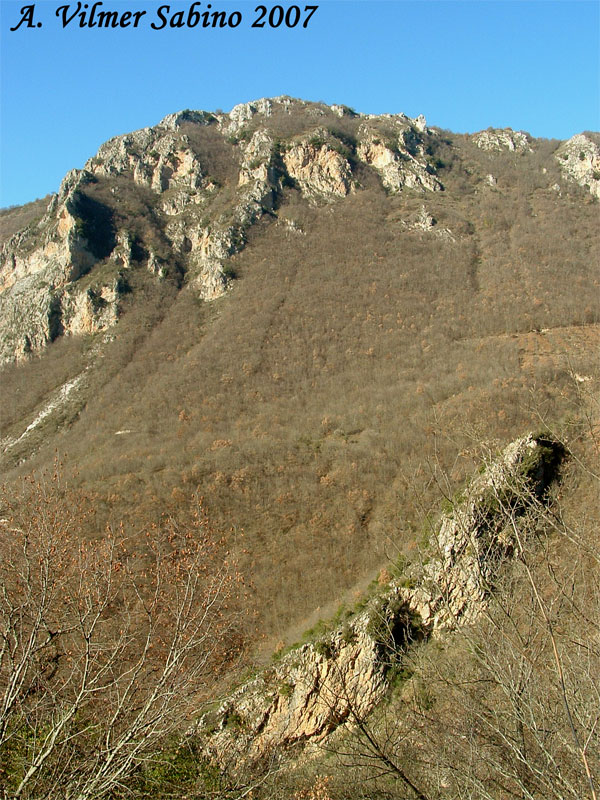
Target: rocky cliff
x=178, y=200
x=66, y=273
x=341, y=676
x=579, y=158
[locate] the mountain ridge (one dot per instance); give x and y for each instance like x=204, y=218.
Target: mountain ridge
x=80, y=233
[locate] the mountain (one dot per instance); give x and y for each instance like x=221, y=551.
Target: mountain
x=181, y=198
x=310, y=318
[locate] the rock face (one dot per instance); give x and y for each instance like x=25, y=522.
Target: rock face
x=66, y=274
x=476, y=537
x=400, y=161
x=176, y=201
x=158, y=159
x=41, y=268
x=502, y=139
x=244, y=112
x=424, y=222
x=579, y=158
x=305, y=697
x=318, y=169
x=342, y=676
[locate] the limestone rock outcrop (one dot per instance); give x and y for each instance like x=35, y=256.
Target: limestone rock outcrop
x=400, y=160
x=91, y=310
x=318, y=168
x=579, y=159
x=341, y=676
x=57, y=244
x=477, y=535
x=502, y=139
x=304, y=697
x=40, y=272
x=157, y=158
x=425, y=223
x=206, y=247
x=244, y=112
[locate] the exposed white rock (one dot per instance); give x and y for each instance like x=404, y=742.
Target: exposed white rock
x=256, y=159
x=91, y=310
x=57, y=246
x=427, y=224
x=425, y=221
x=243, y=113
x=420, y=123
x=175, y=121
x=157, y=158
x=121, y=254
x=319, y=170
x=291, y=226
x=394, y=161
x=343, y=111
x=303, y=698
x=579, y=159
x=206, y=248
x=175, y=201
x=320, y=685
x=56, y=402
x=35, y=268
x=156, y=266
x=502, y=139
x=210, y=248
x=475, y=538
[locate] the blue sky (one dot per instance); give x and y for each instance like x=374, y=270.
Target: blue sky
x=465, y=65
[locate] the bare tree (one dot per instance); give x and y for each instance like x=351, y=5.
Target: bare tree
x=510, y=707
x=103, y=650
x=507, y=704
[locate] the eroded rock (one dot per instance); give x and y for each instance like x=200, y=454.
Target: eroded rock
x=579, y=159
x=318, y=168
x=502, y=139
x=399, y=160
x=39, y=268
x=320, y=685
x=157, y=158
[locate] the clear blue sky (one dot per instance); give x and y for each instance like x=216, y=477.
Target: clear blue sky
x=465, y=65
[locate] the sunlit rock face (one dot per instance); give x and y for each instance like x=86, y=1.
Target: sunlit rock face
x=579, y=159
x=502, y=139
x=175, y=202
x=319, y=170
x=42, y=266
x=399, y=159
x=341, y=677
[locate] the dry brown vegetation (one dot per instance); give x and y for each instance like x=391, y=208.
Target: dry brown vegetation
x=508, y=707
x=106, y=647
x=305, y=402
x=15, y=218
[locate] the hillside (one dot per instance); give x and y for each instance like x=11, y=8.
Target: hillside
x=310, y=318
